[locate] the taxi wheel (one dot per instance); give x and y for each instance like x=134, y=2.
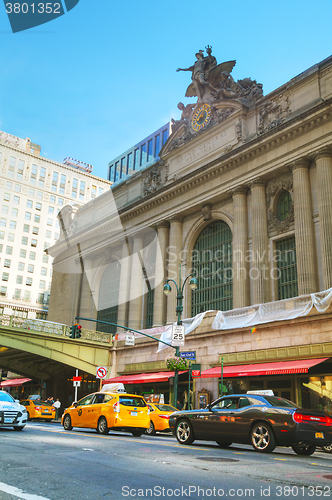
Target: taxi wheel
x=67, y=423
x=327, y=448
x=102, y=426
x=151, y=431
x=137, y=432
x=184, y=432
x=28, y=416
x=262, y=438
x=304, y=449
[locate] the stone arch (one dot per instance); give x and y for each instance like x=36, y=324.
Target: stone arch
x=198, y=226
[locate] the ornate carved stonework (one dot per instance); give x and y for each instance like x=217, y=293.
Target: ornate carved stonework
x=273, y=113
x=152, y=181
x=273, y=189
x=206, y=210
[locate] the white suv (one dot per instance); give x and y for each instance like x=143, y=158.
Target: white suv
x=12, y=414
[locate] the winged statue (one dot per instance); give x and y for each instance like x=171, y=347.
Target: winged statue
x=207, y=75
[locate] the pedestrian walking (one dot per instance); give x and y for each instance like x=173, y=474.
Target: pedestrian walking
x=57, y=405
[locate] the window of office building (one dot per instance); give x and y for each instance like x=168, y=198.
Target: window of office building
x=110, y=175
x=136, y=159
x=11, y=168
x=42, y=284
x=5, y=209
x=45, y=258
x=108, y=297
x=55, y=179
x=48, y=234
x=129, y=163
x=14, y=212
x=19, y=279
x=143, y=155
x=36, y=218
x=19, y=174
x=17, y=188
x=123, y=167
x=33, y=242
x=11, y=236
x=74, y=188
x=52, y=198
x=82, y=191
x=12, y=224
x=165, y=136
x=117, y=171
x=94, y=191
x=27, y=296
x=51, y=210
x=28, y=281
x=7, y=263
x=23, y=253
x=16, y=200
x=33, y=177
x=43, y=271
x=149, y=308
x=31, y=192
x=3, y=291
x=56, y=236
x=212, y=261
x=9, y=250
x=62, y=184
x=2, y=235
x=49, y=222
x=150, y=149
x=21, y=266
x=27, y=216
x=6, y=197
x=40, y=195
x=60, y=201
x=101, y=190
x=31, y=268
x=32, y=255
x=3, y=222
x=1, y=248
x=24, y=240
x=38, y=206
x=46, y=245
x=5, y=276
x=35, y=230
x=17, y=294
x=9, y=185
x=42, y=175
x=287, y=268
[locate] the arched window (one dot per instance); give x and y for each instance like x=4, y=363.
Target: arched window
x=109, y=297
x=212, y=261
x=284, y=205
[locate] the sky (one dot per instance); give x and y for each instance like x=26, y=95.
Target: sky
x=102, y=77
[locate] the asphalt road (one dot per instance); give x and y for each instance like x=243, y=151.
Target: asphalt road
x=43, y=462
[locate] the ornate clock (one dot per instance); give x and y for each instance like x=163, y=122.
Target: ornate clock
x=201, y=117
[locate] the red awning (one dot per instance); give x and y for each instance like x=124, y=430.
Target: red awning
x=279, y=368
x=14, y=381
x=141, y=378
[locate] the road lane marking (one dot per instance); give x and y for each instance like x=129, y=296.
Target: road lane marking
x=16, y=492
x=281, y=459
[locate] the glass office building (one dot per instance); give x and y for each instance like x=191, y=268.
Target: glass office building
x=140, y=156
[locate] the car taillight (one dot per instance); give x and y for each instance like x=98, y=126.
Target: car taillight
x=37, y=408
x=314, y=419
x=116, y=407
x=148, y=411
x=164, y=416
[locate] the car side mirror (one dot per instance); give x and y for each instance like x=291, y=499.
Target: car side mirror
x=75, y=404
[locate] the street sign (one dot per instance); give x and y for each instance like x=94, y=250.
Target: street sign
x=77, y=379
x=130, y=339
x=76, y=383
x=178, y=335
x=101, y=372
x=188, y=355
x=196, y=370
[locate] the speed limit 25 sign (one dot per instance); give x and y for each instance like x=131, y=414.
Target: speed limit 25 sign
x=177, y=335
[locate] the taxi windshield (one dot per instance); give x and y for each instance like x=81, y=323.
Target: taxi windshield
x=131, y=401
x=4, y=396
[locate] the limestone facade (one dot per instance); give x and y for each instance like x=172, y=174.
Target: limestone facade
x=235, y=172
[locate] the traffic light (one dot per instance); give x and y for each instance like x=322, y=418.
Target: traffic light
x=72, y=332
x=78, y=331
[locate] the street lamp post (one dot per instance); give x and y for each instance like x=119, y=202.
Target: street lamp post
x=179, y=310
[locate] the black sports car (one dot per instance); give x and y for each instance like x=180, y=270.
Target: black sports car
x=262, y=421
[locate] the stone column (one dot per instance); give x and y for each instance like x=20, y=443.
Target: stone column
x=259, y=272
x=324, y=188
x=173, y=265
x=124, y=283
x=159, y=303
x=241, y=293
x=304, y=229
x=136, y=285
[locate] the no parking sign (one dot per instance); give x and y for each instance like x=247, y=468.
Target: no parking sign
x=101, y=372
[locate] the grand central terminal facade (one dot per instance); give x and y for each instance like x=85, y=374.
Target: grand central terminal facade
x=241, y=196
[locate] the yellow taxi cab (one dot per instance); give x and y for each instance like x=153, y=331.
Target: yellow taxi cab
x=38, y=409
x=159, y=416
x=104, y=411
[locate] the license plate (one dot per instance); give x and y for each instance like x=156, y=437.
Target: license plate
x=319, y=435
x=9, y=420
x=133, y=413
